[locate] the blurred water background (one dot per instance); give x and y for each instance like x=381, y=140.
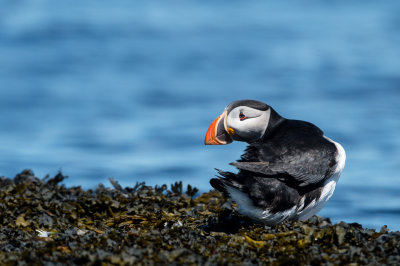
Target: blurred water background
x=128, y=89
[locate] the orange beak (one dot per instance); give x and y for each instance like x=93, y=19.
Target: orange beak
x=216, y=133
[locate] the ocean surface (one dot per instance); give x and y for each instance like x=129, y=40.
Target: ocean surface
x=127, y=89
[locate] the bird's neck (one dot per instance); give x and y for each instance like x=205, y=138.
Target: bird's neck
x=274, y=121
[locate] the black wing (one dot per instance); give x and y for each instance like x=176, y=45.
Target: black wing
x=299, y=151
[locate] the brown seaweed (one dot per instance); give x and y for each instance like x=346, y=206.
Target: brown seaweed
x=43, y=222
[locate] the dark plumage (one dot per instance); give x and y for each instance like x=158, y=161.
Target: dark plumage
x=289, y=172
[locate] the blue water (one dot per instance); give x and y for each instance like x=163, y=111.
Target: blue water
x=128, y=89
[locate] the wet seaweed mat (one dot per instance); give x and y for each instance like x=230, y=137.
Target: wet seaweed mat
x=43, y=221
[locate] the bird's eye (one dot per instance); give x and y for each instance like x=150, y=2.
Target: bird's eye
x=242, y=116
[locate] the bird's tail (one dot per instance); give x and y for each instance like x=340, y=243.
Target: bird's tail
x=225, y=179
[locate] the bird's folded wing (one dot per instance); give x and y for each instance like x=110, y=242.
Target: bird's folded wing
x=304, y=173
x=257, y=167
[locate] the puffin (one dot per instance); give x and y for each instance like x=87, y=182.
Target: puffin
x=289, y=169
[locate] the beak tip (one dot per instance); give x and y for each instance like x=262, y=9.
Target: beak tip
x=211, y=141
x=217, y=138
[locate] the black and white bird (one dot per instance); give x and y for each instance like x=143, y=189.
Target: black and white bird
x=289, y=170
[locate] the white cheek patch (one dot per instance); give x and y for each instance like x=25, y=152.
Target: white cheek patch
x=251, y=128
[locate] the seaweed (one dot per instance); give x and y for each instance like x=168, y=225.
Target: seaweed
x=43, y=222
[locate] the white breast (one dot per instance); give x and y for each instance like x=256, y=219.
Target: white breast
x=340, y=157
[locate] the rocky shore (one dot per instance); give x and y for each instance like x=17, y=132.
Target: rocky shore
x=43, y=222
